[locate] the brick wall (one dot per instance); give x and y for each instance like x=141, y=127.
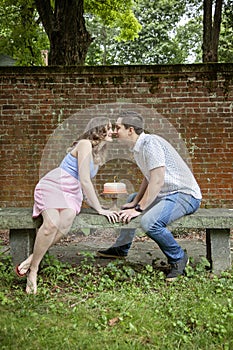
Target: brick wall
x=44, y=109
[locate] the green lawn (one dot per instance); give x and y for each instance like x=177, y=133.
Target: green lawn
x=118, y=306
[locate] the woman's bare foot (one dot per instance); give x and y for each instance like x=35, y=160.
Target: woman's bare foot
x=22, y=269
x=31, y=287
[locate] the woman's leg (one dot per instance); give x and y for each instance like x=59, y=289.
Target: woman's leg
x=44, y=239
x=67, y=217
x=57, y=225
x=24, y=266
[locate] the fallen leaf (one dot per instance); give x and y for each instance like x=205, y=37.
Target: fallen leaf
x=113, y=321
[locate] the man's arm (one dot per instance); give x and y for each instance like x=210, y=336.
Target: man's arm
x=154, y=186
x=139, y=195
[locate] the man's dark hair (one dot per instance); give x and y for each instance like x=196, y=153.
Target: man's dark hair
x=132, y=119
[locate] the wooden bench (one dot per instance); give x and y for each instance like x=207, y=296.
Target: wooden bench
x=216, y=222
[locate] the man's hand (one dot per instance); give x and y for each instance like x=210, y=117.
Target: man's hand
x=126, y=215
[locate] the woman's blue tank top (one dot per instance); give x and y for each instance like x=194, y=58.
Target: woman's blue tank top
x=70, y=165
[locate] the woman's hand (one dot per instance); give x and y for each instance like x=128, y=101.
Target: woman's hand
x=112, y=216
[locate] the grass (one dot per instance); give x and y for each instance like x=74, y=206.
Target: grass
x=117, y=306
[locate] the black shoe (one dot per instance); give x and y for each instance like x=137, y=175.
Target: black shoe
x=177, y=269
x=112, y=252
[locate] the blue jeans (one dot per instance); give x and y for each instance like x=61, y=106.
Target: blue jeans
x=161, y=213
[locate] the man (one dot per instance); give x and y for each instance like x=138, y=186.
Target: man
x=167, y=192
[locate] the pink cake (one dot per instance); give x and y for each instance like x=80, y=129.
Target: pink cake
x=114, y=187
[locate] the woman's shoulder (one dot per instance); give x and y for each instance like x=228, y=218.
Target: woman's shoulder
x=82, y=145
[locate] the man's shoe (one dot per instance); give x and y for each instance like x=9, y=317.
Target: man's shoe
x=112, y=252
x=177, y=269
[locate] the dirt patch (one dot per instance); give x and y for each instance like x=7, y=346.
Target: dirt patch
x=78, y=246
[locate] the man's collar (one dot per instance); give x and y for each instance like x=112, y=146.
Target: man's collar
x=139, y=142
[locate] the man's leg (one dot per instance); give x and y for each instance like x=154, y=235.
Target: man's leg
x=121, y=247
x=123, y=243
x=161, y=214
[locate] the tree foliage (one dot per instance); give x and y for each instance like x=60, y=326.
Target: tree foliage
x=225, y=48
x=21, y=33
x=63, y=31
x=116, y=14
x=172, y=32
x=154, y=43
x=116, y=31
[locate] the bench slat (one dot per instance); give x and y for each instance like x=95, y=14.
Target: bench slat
x=20, y=218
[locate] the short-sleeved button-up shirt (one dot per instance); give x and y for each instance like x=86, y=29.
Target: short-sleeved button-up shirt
x=152, y=151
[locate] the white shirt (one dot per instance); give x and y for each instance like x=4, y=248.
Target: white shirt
x=152, y=151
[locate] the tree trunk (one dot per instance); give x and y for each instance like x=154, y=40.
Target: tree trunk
x=216, y=28
x=207, y=30
x=65, y=26
x=211, y=30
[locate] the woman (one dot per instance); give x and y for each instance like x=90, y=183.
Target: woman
x=58, y=195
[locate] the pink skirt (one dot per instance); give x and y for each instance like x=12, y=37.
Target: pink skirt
x=57, y=190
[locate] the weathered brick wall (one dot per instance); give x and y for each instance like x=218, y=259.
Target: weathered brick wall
x=193, y=103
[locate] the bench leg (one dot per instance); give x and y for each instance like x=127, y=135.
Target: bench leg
x=21, y=244
x=218, y=249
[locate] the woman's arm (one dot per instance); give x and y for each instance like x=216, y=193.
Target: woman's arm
x=83, y=151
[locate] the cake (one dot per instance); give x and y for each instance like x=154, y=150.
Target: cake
x=114, y=187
